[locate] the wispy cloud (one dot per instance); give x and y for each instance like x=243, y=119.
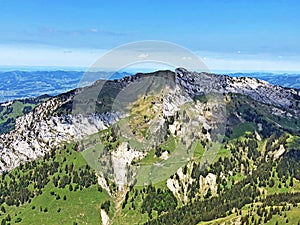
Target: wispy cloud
x=143, y=55
x=16, y=55
x=239, y=61
x=46, y=31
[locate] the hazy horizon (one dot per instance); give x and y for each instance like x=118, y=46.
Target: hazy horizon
x=136, y=70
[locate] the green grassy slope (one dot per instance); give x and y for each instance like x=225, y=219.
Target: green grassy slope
x=9, y=113
x=62, y=189
x=74, y=203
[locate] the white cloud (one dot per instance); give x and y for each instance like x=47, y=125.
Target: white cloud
x=186, y=58
x=143, y=56
x=94, y=30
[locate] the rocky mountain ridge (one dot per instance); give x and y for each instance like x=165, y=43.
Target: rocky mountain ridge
x=259, y=90
x=52, y=123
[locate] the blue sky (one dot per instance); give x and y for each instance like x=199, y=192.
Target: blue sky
x=226, y=35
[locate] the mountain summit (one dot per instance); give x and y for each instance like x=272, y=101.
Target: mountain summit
x=61, y=119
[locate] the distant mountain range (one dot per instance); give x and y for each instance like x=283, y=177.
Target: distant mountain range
x=25, y=84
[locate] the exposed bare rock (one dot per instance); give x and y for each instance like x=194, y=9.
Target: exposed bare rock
x=104, y=217
x=280, y=152
x=44, y=129
x=121, y=159
x=179, y=184
x=164, y=155
x=39, y=131
x=197, y=83
x=102, y=182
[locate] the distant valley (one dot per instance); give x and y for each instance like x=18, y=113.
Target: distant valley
x=25, y=84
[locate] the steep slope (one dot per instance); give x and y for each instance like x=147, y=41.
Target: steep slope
x=53, y=122
x=162, y=145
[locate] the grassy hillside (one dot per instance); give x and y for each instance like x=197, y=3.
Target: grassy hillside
x=74, y=203
x=256, y=172
x=10, y=111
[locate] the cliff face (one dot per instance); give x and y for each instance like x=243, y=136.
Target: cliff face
x=259, y=90
x=53, y=122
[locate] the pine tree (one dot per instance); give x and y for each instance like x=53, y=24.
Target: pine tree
x=3, y=209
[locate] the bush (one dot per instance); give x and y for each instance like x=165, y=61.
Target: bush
x=18, y=220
